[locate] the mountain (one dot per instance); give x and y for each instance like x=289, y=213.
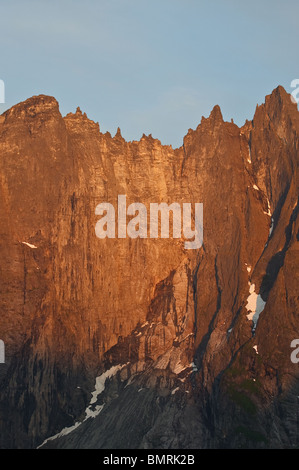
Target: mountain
x=140, y=342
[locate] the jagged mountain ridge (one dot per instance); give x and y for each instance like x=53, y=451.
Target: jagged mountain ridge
x=175, y=319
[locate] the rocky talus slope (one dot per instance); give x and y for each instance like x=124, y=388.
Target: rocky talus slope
x=128, y=343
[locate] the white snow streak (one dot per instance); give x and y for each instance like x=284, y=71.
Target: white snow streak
x=249, y=157
x=269, y=209
x=89, y=412
x=271, y=228
x=255, y=305
x=29, y=244
x=100, y=382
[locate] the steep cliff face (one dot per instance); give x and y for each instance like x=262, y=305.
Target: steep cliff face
x=191, y=347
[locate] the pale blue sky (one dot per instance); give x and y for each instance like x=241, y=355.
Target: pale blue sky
x=152, y=66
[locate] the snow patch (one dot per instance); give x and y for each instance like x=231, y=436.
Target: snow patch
x=255, y=305
x=271, y=228
x=29, y=244
x=249, y=157
x=93, y=413
x=89, y=412
x=269, y=209
x=100, y=382
x=255, y=348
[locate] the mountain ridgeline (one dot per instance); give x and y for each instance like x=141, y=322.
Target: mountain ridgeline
x=140, y=342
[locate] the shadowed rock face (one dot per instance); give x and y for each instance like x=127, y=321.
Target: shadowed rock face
x=196, y=365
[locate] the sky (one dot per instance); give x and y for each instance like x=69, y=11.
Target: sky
x=149, y=66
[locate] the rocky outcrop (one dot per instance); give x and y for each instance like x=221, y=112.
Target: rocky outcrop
x=197, y=342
